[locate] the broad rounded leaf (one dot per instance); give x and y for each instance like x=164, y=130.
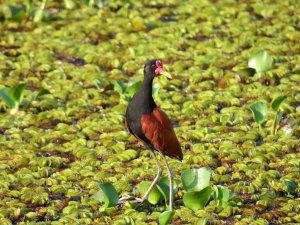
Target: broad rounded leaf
x=277, y=102
x=246, y=72
x=197, y=199
x=222, y=195
x=290, y=186
x=163, y=186
x=17, y=92
x=196, y=179
x=17, y=13
x=154, y=195
x=132, y=89
x=165, y=217
x=259, y=111
x=120, y=87
x=261, y=61
x=13, y=96
x=107, y=194
x=40, y=93
x=155, y=89
x=9, y=101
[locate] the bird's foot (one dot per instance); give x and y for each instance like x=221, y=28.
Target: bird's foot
x=131, y=199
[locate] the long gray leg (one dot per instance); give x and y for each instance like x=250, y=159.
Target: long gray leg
x=159, y=172
x=171, y=183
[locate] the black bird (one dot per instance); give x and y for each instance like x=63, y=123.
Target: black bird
x=150, y=125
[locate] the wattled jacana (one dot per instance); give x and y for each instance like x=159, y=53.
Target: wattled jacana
x=151, y=125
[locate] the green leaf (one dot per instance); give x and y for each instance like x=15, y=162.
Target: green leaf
x=107, y=194
x=120, y=87
x=261, y=61
x=132, y=89
x=218, y=194
x=246, y=72
x=28, y=7
x=197, y=199
x=155, y=89
x=290, y=186
x=196, y=179
x=40, y=14
x=154, y=195
x=17, y=13
x=40, y=93
x=9, y=101
x=277, y=102
x=18, y=92
x=259, y=111
x=163, y=186
x=13, y=96
x=165, y=217
x=222, y=195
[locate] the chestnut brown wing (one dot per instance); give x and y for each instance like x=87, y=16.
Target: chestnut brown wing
x=158, y=129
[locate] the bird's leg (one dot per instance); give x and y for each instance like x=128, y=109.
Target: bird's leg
x=171, y=183
x=159, y=172
x=140, y=200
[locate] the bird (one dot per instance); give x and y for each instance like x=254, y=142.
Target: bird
x=150, y=125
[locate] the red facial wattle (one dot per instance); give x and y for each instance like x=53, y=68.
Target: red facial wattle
x=160, y=70
x=159, y=67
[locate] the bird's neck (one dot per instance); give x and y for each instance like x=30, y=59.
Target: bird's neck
x=145, y=95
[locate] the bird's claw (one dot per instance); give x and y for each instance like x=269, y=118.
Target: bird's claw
x=132, y=199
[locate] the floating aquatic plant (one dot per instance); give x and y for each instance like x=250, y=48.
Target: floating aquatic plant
x=259, y=111
x=261, y=61
x=13, y=97
x=67, y=142
x=275, y=106
x=107, y=194
x=196, y=183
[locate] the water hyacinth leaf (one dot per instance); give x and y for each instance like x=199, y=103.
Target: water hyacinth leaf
x=9, y=101
x=165, y=217
x=120, y=87
x=197, y=199
x=40, y=93
x=246, y=72
x=17, y=92
x=154, y=195
x=28, y=7
x=13, y=96
x=196, y=179
x=17, y=13
x=277, y=102
x=261, y=61
x=107, y=194
x=259, y=111
x=222, y=195
x=227, y=194
x=155, y=89
x=290, y=186
x=218, y=194
x=163, y=186
x=40, y=12
x=132, y=89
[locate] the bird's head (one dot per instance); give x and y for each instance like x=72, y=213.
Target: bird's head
x=155, y=68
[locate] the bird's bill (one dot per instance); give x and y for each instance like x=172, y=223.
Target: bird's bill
x=166, y=74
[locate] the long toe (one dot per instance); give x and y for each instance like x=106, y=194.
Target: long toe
x=130, y=198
